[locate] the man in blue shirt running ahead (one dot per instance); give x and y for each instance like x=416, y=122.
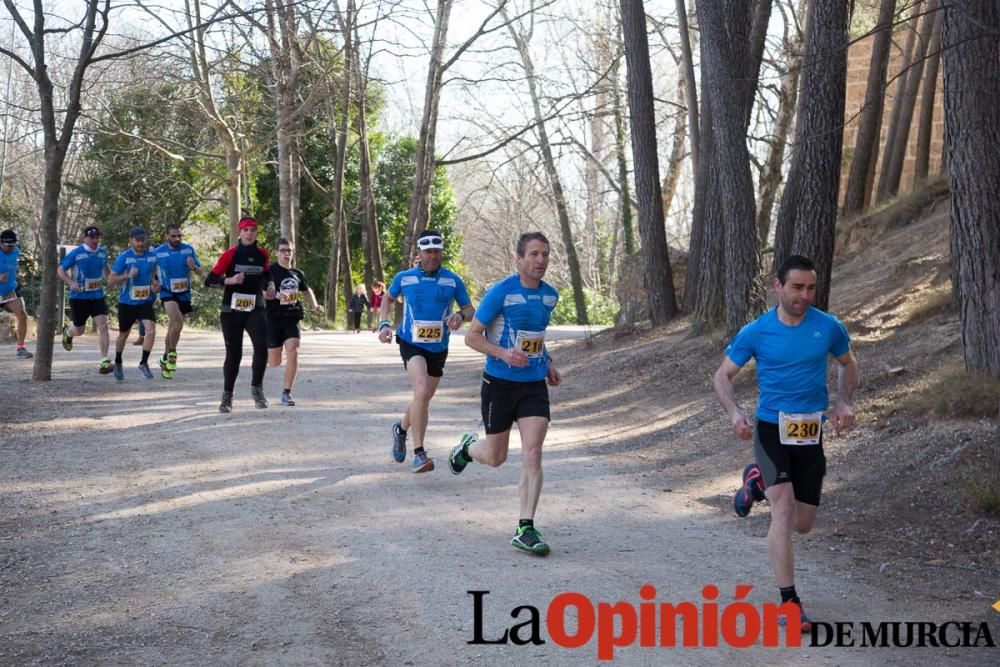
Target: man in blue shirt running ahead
x=428, y=291
x=135, y=270
x=509, y=328
x=83, y=269
x=791, y=344
x=176, y=261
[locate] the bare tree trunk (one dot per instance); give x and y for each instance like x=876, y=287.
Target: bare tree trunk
x=861, y=176
x=658, y=277
x=576, y=279
x=810, y=205
x=625, y=197
x=728, y=42
x=902, y=138
x=926, y=123
x=690, y=84
x=881, y=194
x=770, y=178
x=676, y=152
x=972, y=118
x=420, y=198
x=703, y=282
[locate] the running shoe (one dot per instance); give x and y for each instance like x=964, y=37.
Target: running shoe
x=119, y=372
x=456, y=459
x=105, y=367
x=140, y=340
x=165, y=370
x=171, y=361
x=23, y=353
x=258, y=396
x=226, y=405
x=751, y=491
x=528, y=539
x=805, y=623
x=286, y=399
x=67, y=340
x=398, y=443
x=421, y=463
x=146, y=373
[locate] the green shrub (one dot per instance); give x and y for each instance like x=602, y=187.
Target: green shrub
x=601, y=309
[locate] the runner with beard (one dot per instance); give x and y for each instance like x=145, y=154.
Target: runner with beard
x=176, y=261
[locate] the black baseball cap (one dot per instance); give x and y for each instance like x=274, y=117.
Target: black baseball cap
x=8, y=237
x=137, y=233
x=92, y=231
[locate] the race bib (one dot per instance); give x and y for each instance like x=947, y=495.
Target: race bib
x=288, y=298
x=139, y=292
x=427, y=331
x=92, y=284
x=180, y=284
x=8, y=297
x=243, y=302
x=800, y=428
x=532, y=343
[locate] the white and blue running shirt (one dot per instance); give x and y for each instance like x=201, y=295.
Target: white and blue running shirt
x=427, y=299
x=517, y=316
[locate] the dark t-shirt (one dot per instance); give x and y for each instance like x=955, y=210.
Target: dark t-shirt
x=288, y=284
x=250, y=260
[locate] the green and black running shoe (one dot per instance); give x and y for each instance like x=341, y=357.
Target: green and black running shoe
x=457, y=459
x=529, y=539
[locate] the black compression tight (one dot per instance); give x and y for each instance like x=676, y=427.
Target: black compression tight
x=233, y=326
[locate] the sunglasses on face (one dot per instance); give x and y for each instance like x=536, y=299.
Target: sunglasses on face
x=430, y=241
x=10, y=244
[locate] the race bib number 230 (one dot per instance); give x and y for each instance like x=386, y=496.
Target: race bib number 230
x=796, y=428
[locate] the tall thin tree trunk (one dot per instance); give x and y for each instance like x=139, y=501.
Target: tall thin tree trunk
x=658, y=277
x=902, y=138
x=972, y=117
x=673, y=176
x=562, y=211
x=881, y=193
x=625, y=197
x=925, y=124
x=690, y=84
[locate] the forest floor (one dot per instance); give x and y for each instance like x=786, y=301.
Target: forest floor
x=140, y=526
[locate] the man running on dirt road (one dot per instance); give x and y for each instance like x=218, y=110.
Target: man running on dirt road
x=791, y=344
x=509, y=328
x=176, y=261
x=84, y=269
x=428, y=291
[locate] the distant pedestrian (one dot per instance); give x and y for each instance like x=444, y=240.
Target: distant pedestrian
x=356, y=306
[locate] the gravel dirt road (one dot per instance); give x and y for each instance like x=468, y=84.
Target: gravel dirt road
x=140, y=526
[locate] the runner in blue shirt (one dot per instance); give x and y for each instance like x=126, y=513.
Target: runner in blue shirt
x=83, y=269
x=135, y=270
x=10, y=291
x=792, y=344
x=509, y=328
x=176, y=261
x=427, y=291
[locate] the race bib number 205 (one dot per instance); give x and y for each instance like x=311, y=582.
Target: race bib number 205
x=243, y=302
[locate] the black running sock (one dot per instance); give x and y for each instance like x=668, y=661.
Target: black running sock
x=465, y=452
x=286, y=391
x=526, y=523
x=118, y=357
x=402, y=430
x=145, y=357
x=789, y=595
x=417, y=450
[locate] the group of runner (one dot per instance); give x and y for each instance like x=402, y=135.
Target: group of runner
x=142, y=275
x=791, y=344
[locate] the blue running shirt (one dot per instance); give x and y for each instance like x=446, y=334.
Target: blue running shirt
x=516, y=316
x=427, y=301
x=86, y=267
x=8, y=265
x=136, y=291
x=791, y=361
x=175, y=275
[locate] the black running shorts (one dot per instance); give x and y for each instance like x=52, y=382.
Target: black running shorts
x=802, y=465
x=184, y=305
x=129, y=315
x=280, y=330
x=435, y=360
x=82, y=309
x=504, y=402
